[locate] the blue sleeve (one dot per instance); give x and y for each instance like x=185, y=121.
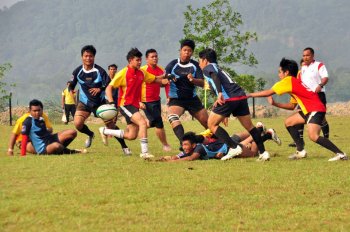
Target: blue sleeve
x=74, y=79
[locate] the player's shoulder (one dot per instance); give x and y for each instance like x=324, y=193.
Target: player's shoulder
x=144, y=67
x=99, y=68
x=27, y=120
x=173, y=62
x=194, y=62
x=77, y=69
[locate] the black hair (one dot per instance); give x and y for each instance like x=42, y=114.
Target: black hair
x=134, y=52
x=112, y=65
x=35, y=102
x=188, y=42
x=88, y=48
x=208, y=54
x=189, y=136
x=310, y=49
x=289, y=65
x=151, y=50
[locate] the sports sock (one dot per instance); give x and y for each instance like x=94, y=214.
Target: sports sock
x=179, y=132
x=224, y=136
x=293, y=131
x=326, y=143
x=257, y=139
x=300, y=128
x=266, y=136
x=67, y=142
x=120, y=140
x=115, y=133
x=325, y=129
x=144, y=145
x=86, y=130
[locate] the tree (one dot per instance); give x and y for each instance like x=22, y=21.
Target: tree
x=4, y=95
x=217, y=26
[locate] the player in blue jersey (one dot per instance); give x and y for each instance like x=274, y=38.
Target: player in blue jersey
x=35, y=130
x=182, y=94
x=231, y=99
x=92, y=80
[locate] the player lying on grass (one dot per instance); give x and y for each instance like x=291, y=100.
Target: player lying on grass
x=205, y=146
x=312, y=110
x=43, y=141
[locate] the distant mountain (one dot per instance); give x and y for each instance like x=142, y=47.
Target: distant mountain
x=42, y=39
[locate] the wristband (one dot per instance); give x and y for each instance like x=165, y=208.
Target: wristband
x=321, y=85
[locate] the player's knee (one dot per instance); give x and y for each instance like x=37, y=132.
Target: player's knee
x=173, y=119
x=313, y=137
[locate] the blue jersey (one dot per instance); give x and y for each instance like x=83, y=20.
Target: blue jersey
x=183, y=88
x=230, y=89
x=94, y=78
x=36, y=130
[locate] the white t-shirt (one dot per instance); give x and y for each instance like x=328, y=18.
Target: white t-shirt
x=312, y=75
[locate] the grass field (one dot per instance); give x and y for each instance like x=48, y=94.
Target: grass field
x=105, y=191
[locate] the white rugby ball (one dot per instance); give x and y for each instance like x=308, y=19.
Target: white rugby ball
x=106, y=112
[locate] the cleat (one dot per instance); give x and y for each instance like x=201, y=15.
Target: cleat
x=298, y=155
x=264, y=156
x=146, y=156
x=232, y=152
x=274, y=136
x=127, y=151
x=103, y=136
x=166, y=148
x=81, y=151
x=88, y=141
x=339, y=156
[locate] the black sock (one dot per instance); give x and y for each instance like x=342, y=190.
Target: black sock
x=300, y=128
x=325, y=129
x=293, y=131
x=266, y=136
x=326, y=143
x=67, y=142
x=86, y=130
x=179, y=132
x=257, y=139
x=224, y=136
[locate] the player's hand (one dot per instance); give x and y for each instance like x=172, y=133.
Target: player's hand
x=318, y=89
x=190, y=77
x=142, y=105
x=225, y=122
x=10, y=152
x=220, y=100
x=270, y=100
x=94, y=91
x=165, y=82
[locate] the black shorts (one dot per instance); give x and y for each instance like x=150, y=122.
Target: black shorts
x=313, y=117
x=322, y=97
x=127, y=112
x=82, y=107
x=48, y=140
x=153, y=113
x=192, y=105
x=236, y=108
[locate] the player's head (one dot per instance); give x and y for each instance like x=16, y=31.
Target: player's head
x=36, y=108
x=134, y=57
x=189, y=142
x=112, y=70
x=186, y=49
x=152, y=57
x=308, y=55
x=207, y=56
x=88, y=53
x=112, y=66
x=288, y=68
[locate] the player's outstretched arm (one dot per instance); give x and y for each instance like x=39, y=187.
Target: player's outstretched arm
x=264, y=93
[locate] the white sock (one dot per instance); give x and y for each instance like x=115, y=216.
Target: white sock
x=144, y=145
x=116, y=133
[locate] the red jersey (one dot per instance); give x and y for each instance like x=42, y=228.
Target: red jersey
x=151, y=91
x=129, y=81
x=307, y=100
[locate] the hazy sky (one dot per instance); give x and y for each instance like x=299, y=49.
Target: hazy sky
x=7, y=3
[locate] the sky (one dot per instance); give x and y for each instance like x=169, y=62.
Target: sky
x=7, y=3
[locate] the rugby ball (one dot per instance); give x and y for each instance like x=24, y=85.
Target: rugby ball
x=106, y=112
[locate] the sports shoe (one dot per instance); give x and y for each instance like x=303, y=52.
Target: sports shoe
x=298, y=155
x=265, y=156
x=274, y=136
x=82, y=151
x=146, y=156
x=127, y=151
x=339, y=156
x=88, y=141
x=166, y=148
x=260, y=124
x=232, y=152
x=103, y=136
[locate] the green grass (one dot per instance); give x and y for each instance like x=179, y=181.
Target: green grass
x=105, y=191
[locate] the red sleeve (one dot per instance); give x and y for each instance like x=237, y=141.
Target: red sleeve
x=24, y=145
x=167, y=89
